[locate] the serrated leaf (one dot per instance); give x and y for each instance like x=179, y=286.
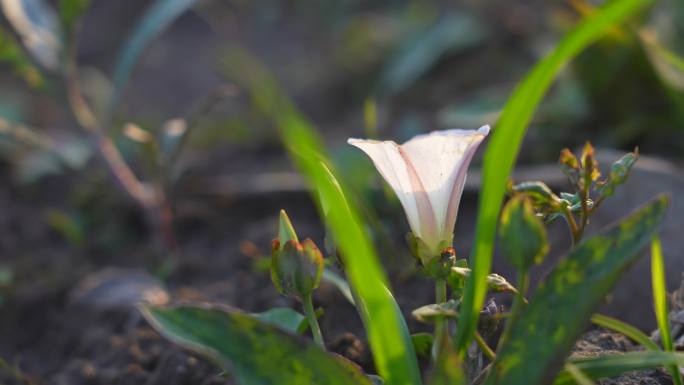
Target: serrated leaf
x=564, y=302
x=254, y=352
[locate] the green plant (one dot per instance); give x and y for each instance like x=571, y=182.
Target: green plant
x=536, y=343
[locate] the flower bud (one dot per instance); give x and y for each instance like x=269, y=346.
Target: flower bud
x=570, y=166
x=589, y=171
x=296, y=268
x=522, y=234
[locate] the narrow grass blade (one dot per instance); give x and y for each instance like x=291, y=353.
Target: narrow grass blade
x=387, y=331
x=577, y=375
x=660, y=302
x=155, y=20
x=340, y=283
x=612, y=365
x=254, y=352
x=562, y=305
x=505, y=142
x=629, y=331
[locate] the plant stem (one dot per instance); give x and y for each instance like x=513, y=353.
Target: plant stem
x=313, y=322
x=570, y=219
x=488, y=352
x=441, y=325
x=518, y=302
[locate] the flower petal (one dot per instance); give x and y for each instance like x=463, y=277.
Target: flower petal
x=397, y=171
x=441, y=159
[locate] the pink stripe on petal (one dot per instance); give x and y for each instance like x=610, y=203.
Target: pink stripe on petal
x=428, y=221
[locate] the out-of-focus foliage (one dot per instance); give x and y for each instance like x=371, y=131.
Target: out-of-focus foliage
x=12, y=53
x=36, y=23
x=253, y=351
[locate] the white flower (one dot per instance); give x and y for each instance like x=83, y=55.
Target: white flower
x=427, y=173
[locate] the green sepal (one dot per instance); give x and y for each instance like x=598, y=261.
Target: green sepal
x=286, y=231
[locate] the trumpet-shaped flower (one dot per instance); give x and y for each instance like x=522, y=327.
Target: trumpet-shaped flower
x=428, y=174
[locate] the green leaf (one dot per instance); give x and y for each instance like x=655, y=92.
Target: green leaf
x=522, y=234
x=660, y=302
x=334, y=279
x=432, y=312
x=37, y=25
x=612, y=365
x=422, y=344
x=505, y=142
x=387, y=330
x=254, y=352
x=156, y=19
x=628, y=330
x=285, y=318
x=563, y=303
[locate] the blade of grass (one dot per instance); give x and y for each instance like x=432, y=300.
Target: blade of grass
x=629, y=331
x=578, y=375
x=504, y=145
x=612, y=365
x=660, y=302
x=387, y=331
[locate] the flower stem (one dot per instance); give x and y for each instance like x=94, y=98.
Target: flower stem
x=518, y=303
x=488, y=352
x=313, y=321
x=441, y=325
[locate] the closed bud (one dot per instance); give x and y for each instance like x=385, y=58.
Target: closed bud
x=296, y=268
x=589, y=171
x=569, y=166
x=522, y=234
